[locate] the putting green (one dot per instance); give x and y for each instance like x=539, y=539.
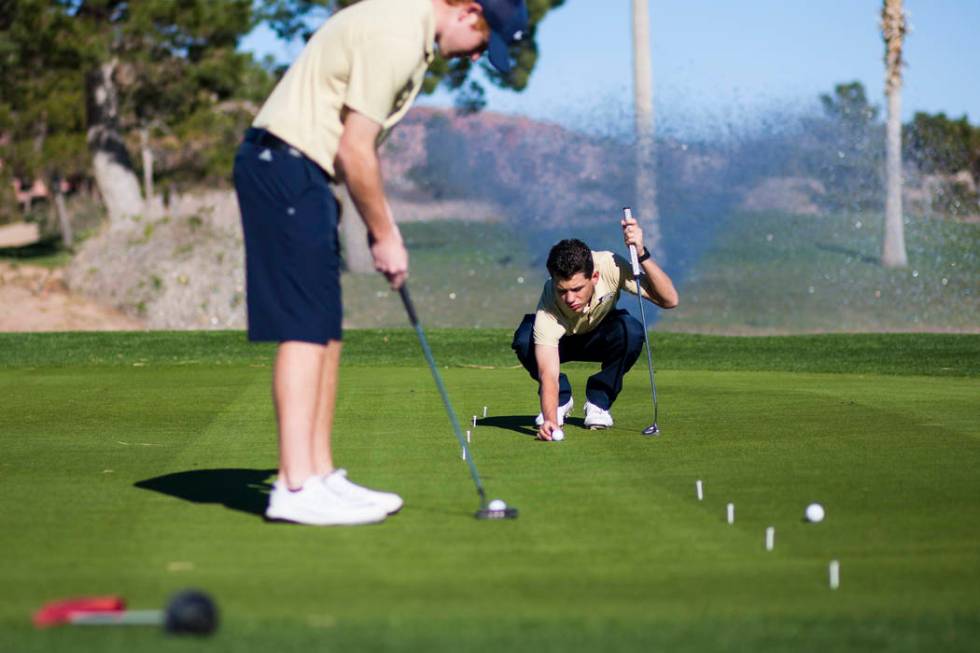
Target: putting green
x=144, y=479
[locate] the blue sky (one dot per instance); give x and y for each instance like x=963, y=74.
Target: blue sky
x=724, y=62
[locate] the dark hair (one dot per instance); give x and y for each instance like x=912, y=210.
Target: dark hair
x=568, y=258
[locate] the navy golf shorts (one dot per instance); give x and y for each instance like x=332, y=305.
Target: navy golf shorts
x=292, y=252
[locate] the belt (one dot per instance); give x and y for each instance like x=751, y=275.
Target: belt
x=263, y=138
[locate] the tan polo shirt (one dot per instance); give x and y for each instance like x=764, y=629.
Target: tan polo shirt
x=555, y=319
x=371, y=57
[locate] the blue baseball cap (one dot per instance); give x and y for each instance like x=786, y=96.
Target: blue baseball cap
x=508, y=25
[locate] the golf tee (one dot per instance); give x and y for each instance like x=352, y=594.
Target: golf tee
x=484, y=411
x=700, y=490
x=770, y=538
x=468, y=437
x=834, y=574
x=731, y=513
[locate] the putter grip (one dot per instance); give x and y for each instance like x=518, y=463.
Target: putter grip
x=634, y=261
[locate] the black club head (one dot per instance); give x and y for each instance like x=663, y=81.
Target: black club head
x=493, y=512
x=191, y=612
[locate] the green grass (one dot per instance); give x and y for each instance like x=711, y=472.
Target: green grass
x=898, y=353
x=777, y=273
x=763, y=274
x=463, y=274
x=137, y=464
x=46, y=254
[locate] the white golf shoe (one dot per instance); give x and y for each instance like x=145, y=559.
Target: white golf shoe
x=315, y=504
x=339, y=483
x=562, y=412
x=597, y=418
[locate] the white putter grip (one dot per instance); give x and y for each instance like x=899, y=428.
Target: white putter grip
x=628, y=214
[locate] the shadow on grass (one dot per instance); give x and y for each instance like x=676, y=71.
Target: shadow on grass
x=246, y=490
x=43, y=248
x=850, y=253
x=523, y=424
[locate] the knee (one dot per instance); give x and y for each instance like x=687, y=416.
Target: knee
x=633, y=333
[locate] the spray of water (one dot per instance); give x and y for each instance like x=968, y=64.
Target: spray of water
x=771, y=222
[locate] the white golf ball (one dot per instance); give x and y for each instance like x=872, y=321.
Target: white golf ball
x=497, y=504
x=557, y=435
x=814, y=513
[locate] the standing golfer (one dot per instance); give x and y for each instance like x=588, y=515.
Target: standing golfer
x=355, y=79
x=577, y=320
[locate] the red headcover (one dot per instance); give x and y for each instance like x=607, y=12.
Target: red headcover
x=60, y=612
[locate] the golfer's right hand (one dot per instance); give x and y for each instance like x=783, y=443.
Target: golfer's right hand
x=544, y=431
x=391, y=259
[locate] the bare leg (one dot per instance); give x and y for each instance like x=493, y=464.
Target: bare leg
x=327, y=399
x=295, y=389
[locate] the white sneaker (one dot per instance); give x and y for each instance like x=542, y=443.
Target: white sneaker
x=597, y=418
x=338, y=482
x=317, y=505
x=562, y=412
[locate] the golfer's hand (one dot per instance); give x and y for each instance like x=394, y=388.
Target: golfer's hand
x=391, y=259
x=632, y=233
x=544, y=431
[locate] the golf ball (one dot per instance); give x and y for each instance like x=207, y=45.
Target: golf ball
x=814, y=513
x=557, y=435
x=497, y=504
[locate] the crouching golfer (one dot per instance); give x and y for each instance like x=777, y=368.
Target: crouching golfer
x=577, y=320
x=356, y=77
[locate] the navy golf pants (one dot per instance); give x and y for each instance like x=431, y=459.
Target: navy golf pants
x=616, y=343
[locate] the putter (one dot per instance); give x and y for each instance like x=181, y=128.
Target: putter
x=653, y=429
x=190, y=612
x=495, y=509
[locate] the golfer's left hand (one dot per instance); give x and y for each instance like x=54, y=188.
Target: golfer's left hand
x=632, y=233
x=391, y=259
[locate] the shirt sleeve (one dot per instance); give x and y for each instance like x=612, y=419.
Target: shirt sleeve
x=627, y=281
x=547, y=330
x=381, y=70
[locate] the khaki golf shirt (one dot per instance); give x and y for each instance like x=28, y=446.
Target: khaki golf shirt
x=555, y=319
x=370, y=57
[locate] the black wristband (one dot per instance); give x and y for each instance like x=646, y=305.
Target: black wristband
x=644, y=256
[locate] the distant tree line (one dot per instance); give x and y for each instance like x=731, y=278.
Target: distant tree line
x=842, y=147
x=949, y=149
x=132, y=98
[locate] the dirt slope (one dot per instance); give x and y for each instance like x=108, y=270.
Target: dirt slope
x=36, y=299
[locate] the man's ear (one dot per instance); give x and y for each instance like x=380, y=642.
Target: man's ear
x=595, y=275
x=471, y=13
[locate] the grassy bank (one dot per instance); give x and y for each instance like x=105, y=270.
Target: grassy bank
x=777, y=273
x=897, y=353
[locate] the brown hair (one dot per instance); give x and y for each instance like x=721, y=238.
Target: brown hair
x=568, y=258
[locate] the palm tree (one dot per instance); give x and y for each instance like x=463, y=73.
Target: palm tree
x=646, y=179
x=893, y=28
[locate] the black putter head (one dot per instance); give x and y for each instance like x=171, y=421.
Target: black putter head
x=651, y=430
x=506, y=512
x=191, y=612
